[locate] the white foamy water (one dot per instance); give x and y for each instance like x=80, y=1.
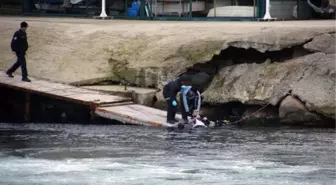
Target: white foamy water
x=34, y=154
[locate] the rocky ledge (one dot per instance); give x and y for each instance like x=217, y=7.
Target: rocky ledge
x=293, y=72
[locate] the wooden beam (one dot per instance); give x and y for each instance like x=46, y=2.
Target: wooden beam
x=60, y=91
x=135, y=114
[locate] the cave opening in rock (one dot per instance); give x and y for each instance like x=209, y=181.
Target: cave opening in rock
x=240, y=113
x=234, y=56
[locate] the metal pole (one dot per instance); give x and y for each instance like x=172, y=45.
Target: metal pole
x=267, y=14
x=254, y=8
x=103, y=12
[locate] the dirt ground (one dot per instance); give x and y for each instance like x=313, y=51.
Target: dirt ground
x=70, y=50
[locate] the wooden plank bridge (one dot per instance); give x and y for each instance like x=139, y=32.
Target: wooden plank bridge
x=104, y=105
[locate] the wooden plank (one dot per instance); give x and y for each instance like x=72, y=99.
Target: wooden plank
x=107, y=106
x=135, y=114
x=60, y=91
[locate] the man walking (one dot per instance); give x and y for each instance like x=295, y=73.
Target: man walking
x=19, y=46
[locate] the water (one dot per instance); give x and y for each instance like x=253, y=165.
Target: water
x=100, y=154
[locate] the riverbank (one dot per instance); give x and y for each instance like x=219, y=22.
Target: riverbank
x=289, y=65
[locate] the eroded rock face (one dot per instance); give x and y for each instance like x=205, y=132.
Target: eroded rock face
x=323, y=43
x=311, y=78
x=149, y=66
x=268, y=41
x=292, y=110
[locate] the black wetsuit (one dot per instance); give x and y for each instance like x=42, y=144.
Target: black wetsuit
x=19, y=45
x=170, y=92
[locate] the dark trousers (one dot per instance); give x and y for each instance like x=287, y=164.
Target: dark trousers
x=21, y=61
x=171, y=111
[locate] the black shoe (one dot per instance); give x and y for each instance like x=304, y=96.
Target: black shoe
x=176, y=120
x=172, y=121
x=26, y=80
x=9, y=75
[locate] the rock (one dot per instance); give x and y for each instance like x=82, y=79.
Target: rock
x=292, y=110
x=147, y=99
x=144, y=70
x=214, y=113
x=311, y=78
x=257, y=112
x=267, y=41
x=259, y=115
x=151, y=53
x=143, y=96
x=317, y=86
x=200, y=79
x=323, y=43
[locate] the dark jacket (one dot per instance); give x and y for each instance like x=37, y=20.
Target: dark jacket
x=19, y=42
x=172, y=88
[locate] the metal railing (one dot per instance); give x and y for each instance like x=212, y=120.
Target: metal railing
x=180, y=9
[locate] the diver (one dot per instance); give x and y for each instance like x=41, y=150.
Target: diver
x=191, y=102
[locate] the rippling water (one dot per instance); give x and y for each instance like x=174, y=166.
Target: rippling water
x=100, y=154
